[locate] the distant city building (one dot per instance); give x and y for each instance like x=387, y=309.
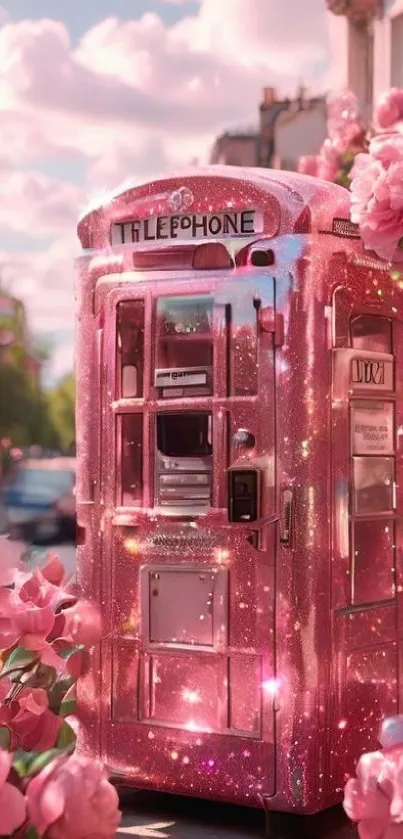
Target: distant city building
x=367, y=47
x=287, y=129
x=236, y=149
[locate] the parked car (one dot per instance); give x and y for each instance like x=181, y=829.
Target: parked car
x=39, y=500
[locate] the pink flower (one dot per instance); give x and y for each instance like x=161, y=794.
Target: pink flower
x=12, y=801
x=375, y=798
x=377, y=197
x=82, y=624
x=72, y=799
x=23, y=622
x=39, y=590
x=308, y=165
x=31, y=614
x=53, y=570
x=389, y=109
x=329, y=161
x=344, y=120
x=32, y=725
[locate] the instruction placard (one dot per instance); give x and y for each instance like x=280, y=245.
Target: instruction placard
x=372, y=428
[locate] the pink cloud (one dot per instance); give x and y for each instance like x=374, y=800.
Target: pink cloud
x=45, y=281
x=137, y=77
x=33, y=204
x=132, y=99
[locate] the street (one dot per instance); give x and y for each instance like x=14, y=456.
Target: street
x=159, y=816
x=171, y=817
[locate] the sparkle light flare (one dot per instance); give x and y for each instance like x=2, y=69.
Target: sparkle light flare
x=271, y=686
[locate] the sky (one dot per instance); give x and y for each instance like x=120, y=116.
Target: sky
x=95, y=92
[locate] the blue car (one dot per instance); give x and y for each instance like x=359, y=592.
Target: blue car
x=39, y=501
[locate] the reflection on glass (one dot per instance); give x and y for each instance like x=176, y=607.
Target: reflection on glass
x=184, y=316
x=184, y=435
x=132, y=460
x=373, y=566
x=130, y=340
x=371, y=332
x=185, y=340
x=373, y=484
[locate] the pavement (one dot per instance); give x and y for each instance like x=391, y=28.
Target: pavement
x=170, y=817
x=159, y=816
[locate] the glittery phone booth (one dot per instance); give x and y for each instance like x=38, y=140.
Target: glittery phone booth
x=239, y=413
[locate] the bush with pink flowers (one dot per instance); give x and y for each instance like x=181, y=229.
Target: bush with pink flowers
x=46, y=788
x=374, y=799
x=369, y=161
x=347, y=136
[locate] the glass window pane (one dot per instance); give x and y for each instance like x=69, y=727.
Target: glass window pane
x=130, y=340
x=373, y=562
x=185, y=343
x=184, y=460
x=132, y=460
x=373, y=484
x=371, y=332
x=184, y=316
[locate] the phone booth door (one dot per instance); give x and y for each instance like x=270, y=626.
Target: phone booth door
x=367, y=413
x=191, y=603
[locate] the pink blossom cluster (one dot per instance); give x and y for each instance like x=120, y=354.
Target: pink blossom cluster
x=346, y=135
x=374, y=799
x=372, y=169
x=46, y=789
x=388, y=111
x=344, y=121
x=377, y=196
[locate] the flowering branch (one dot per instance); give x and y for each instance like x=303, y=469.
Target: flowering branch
x=374, y=798
x=370, y=163
x=45, y=787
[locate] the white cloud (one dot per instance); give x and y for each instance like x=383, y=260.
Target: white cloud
x=33, y=204
x=132, y=99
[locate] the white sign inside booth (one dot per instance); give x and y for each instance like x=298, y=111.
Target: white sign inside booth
x=372, y=425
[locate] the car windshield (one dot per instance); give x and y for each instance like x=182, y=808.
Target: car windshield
x=42, y=482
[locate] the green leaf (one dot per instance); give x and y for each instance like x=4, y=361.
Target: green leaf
x=5, y=738
x=31, y=833
x=68, y=704
x=69, y=651
x=41, y=760
x=43, y=677
x=19, y=660
x=57, y=694
x=22, y=761
x=67, y=737
x=27, y=764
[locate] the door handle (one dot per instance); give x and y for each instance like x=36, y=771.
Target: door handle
x=258, y=532
x=287, y=516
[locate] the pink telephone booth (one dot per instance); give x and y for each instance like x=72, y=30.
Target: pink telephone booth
x=239, y=421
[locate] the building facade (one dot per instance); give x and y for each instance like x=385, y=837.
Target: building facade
x=235, y=148
x=367, y=47
x=287, y=129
